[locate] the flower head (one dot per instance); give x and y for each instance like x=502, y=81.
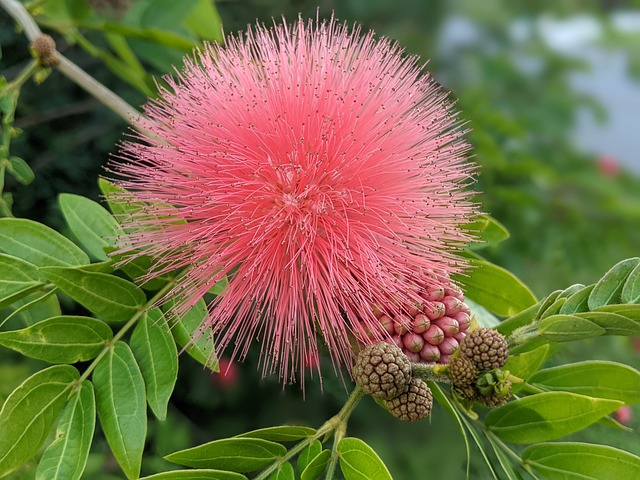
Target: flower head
x=315, y=166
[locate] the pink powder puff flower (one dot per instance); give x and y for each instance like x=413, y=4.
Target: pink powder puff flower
x=317, y=167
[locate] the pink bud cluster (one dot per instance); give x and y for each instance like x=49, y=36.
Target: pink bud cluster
x=429, y=331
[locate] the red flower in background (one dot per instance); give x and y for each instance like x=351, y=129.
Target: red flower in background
x=318, y=168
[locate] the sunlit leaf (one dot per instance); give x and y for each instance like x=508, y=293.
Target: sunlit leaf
x=567, y=328
x=547, y=416
x=496, y=289
x=29, y=413
x=121, y=403
x=609, y=288
x=156, y=352
x=197, y=344
x=581, y=461
x=358, y=461
x=307, y=455
x=66, y=457
x=63, y=339
x=110, y=298
x=196, y=474
x=283, y=472
x=18, y=278
x=93, y=227
x=284, y=433
x=316, y=466
x=234, y=454
x=38, y=244
x=593, y=378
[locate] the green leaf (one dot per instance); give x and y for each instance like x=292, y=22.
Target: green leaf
x=18, y=279
x=316, y=466
x=632, y=312
x=204, y=474
x=205, y=22
x=234, y=454
x=66, y=457
x=593, y=378
x=496, y=289
x=155, y=349
x=525, y=317
x=307, y=455
x=137, y=267
x=547, y=302
x=547, y=416
x=358, y=461
x=29, y=413
x=35, y=307
x=110, y=298
x=609, y=288
x=38, y=244
x=613, y=323
x=284, y=433
x=567, y=328
x=284, y=472
x=581, y=461
x=487, y=232
x=120, y=201
x=569, y=291
x=631, y=290
x=166, y=14
x=90, y=223
x=554, y=308
x=20, y=170
x=63, y=339
x=183, y=330
x=526, y=364
x=122, y=406
x=578, y=302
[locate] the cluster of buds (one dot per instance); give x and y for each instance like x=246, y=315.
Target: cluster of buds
x=383, y=371
x=476, y=374
x=429, y=331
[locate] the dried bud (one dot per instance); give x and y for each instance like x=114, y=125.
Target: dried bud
x=413, y=405
x=45, y=49
x=382, y=370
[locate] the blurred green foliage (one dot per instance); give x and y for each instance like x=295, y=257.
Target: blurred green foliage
x=569, y=220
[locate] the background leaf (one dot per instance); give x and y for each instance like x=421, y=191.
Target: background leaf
x=579, y=461
x=63, y=339
x=121, y=406
x=66, y=457
x=547, y=416
x=91, y=224
x=155, y=349
x=110, y=298
x=38, y=244
x=29, y=413
x=234, y=454
x=358, y=461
